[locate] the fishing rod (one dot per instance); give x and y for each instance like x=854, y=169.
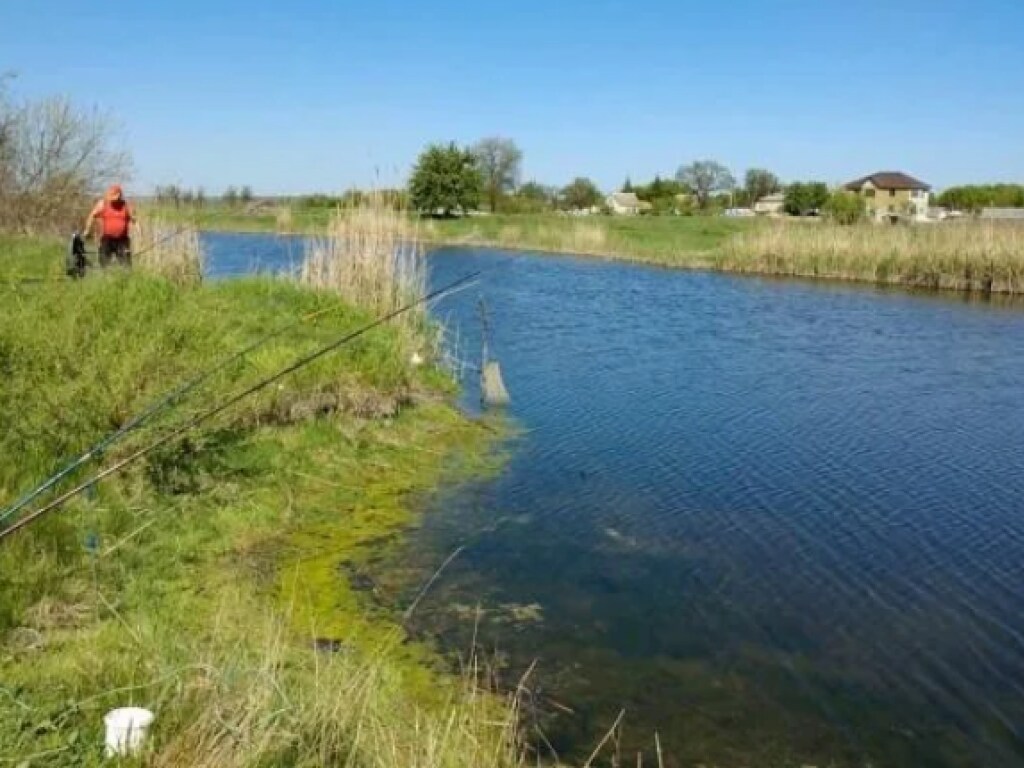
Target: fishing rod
x=168, y=399
x=225, y=404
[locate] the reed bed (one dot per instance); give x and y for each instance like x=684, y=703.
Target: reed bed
x=172, y=251
x=968, y=256
x=372, y=256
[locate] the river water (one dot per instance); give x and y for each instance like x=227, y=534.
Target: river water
x=776, y=522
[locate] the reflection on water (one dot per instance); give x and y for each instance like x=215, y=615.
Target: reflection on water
x=778, y=523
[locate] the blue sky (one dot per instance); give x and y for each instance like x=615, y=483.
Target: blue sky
x=319, y=95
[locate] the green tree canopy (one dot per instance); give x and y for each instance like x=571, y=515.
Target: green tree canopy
x=803, y=198
x=445, y=181
x=499, y=161
x=662, y=194
x=974, y=197
x=845, y=207
x=758, y=183
x=704, y=178
x=580, y=193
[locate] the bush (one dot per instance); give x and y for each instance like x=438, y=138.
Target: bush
x=845, y=207
x=804, y=198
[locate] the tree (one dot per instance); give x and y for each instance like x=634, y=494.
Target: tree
x=445, y=181
x=580, y=194
x=533, y=197
x=628, y=186
x=758, y=183
x=230, y=197
x=705, y=177
x=974, y=197
x=845, y=207
x=53, y=155
x=664, y=195
x=499, y=161
x=245, y=195
x=803, y=198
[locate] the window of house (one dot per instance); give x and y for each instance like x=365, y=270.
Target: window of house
x=869, y=193
x=892, y=209
x=892, y=193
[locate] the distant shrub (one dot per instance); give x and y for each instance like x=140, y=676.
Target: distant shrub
x=845, y=207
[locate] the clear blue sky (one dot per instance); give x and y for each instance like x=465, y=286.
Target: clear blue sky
x=324, y=94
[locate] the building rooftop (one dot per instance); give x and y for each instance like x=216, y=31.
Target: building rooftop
x=888, y=180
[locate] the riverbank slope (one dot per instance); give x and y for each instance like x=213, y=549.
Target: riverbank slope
x=207, y=582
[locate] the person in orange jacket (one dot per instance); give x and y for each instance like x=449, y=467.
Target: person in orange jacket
x=116, y=216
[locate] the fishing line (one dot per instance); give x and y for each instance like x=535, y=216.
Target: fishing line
x=225, y=404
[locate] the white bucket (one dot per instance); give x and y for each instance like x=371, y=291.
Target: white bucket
x=126, y=730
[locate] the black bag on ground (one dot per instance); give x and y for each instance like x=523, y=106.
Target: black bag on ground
x=76, y=261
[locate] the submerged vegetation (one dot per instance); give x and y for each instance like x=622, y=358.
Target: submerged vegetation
x=207, y=581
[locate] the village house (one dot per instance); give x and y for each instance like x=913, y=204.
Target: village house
x=626, y=204
x=892, y=196
x=771, y=205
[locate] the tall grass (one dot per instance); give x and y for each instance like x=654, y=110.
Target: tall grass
x=172, y=251
x=282, y=705
x=284, y=220
x=370, y=254
x=972, y=256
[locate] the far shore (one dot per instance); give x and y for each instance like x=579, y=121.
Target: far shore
x=974, y=256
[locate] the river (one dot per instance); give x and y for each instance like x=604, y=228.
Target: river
x=776, y=522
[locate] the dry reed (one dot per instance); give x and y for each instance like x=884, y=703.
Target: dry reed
x=265, y=701
x=371, y=255
x=283, y=219
x=171, y=251
x=972, y=256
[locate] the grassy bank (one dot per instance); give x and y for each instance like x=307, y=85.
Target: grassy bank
x=216, y=217
x=207, y=582
x=971, y=256
x=682, y=241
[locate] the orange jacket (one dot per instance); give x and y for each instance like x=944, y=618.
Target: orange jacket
x=115, y=216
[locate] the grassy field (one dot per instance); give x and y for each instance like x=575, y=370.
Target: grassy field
x=205, y=582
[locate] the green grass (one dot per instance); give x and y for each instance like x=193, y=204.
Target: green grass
x=218, y=217
x=679, y=241
x=196, y=582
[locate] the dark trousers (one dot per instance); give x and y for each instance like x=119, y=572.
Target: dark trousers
x=118, y=249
